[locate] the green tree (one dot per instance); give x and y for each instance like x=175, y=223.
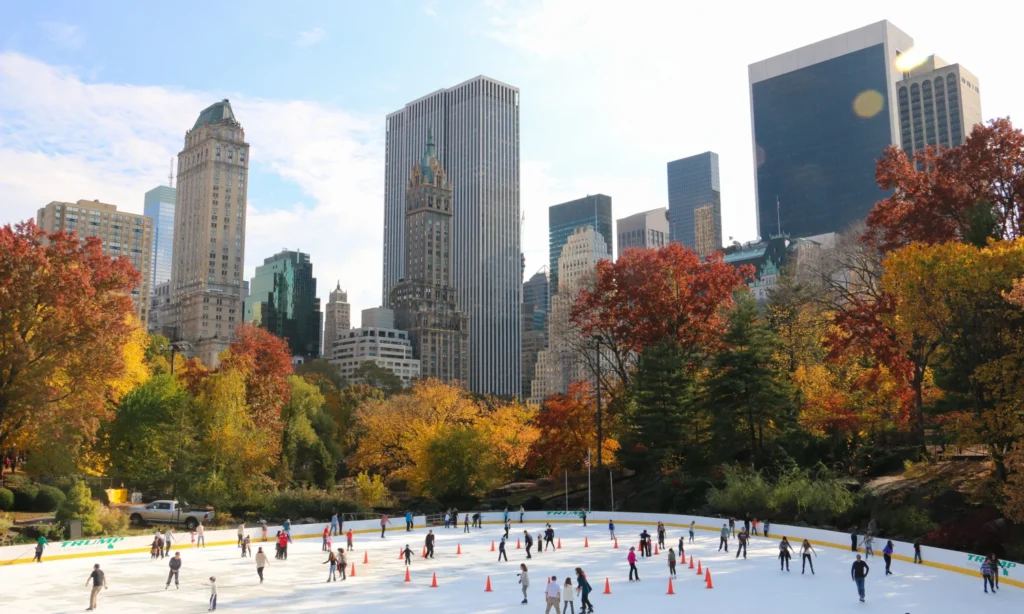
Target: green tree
x=304, y=456
x=749, y=399
x=376, y=376
x=81, y=505
x=370, y=490
x=458, y=463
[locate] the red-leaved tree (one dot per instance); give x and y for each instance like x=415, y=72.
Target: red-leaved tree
x=265, y=361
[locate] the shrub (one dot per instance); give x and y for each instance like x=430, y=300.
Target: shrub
x=745, y=492
x=816, y=501
x=113, y=521
x=25, y=497
x=906, y=521
x=5, y=525
x=15, y=480
x=48, y=499
x=79, y=504
x=371, y=490
x=6, y=500
x=317, y=504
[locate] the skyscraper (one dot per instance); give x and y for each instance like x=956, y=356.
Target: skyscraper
x=127, y=235
x=821, y=117
x=209, y=232
x=594, y=210
x=282, y=299
x=159, y=206
x=425, y=300
x=648, y=229
x=939, y=104
x=337, y=319
x=536, y=303
x=476, y=130
x=695, y=203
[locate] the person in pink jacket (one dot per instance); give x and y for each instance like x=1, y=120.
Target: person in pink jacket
x=631, y=557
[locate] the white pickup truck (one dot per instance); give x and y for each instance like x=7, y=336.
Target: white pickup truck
x=167, y=511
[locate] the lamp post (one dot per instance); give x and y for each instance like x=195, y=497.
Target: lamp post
x=178, y=346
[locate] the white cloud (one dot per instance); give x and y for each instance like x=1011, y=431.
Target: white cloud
x=63, y=35
x=62, y=139
x=310, y=37
x=429, y=9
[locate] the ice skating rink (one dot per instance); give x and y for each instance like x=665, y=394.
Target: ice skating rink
x=754, y=585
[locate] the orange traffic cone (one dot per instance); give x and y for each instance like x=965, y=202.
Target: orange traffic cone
x=549, y=580
x=488, y=589
x=519, y=546
x=424, y=552
x=366, y=558
x=700, y=572
x=559, y=543
x=691, y=561
x=407, y=578
x=401, y=555
x=492, y=545
x=458, y=549
x=707, y=578
x=353, y=574
x=586, y=542
x=607, y=587
x=670, y=591
x=433, y=582
x=655, y=549
x=616, y=543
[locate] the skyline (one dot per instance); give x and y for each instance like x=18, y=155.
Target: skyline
x=80, y=119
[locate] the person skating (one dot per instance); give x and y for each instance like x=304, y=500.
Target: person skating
x=853, y=539
x=611, y=529
x=501, y=550
x=175, y=567
x=649, y=544
x=540, y=542
x=631, y=559
x=693, y=525
x=455, y=518
x=997, y=566
x=986, y=575
x=741, y=544
x=168, y=540
x=40, y=545
x=887, y=555
x=859, y=573
x=246, y=547
x=732, y=526
x=477, y=521
x=342, y=563
x=672, y=562
x=448, y=519
x=549, y=536
x=200, y=537
x=522, y=511
x=155, y=549
x=99, y=582
x=567, y=601
x=917, y=552
x=261, y=562
x=348, y=537
x=754, y=525
x=583, y=588
x=429, y=543
x=287, y=526
x=682, y=553
x=746, y=523
x=505, y=518
x=767, y=525
x=332, y=560
x=465, y=525
x=785, y=553
x=806, y=549
x=384, y=522
x=241, y=534
x=524, y=579
x=334, y=524
x=282, y=544
x=508, y=526
x=661, y=535
x=583, y=515
x=551, y=595
x=869, y=546
x=408, y=555
x=529, y=542
x=723, y=538
x=408, y=521
x=326, y=536
x=263, y=528
x=213, y=594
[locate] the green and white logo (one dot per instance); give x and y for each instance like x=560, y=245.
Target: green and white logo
x=109, y=541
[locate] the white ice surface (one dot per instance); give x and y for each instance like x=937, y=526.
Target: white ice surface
x=747, y=586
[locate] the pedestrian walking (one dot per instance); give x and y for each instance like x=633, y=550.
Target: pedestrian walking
x=785, y=553
x=853, y=539
x=408, y=555
x=408, y=521
x=429, y=543
x=168, y=540
x=997, y=566
x=175, y=567
x=465, y=525
x=213, y=594
x=723, y=538
x=384, y=522
x=40, y=545
x=583, y=588
x=99, y=582
x=241, y=534
x=887, y=556
x=631, y=559
x=326, y=536
x=246, y=548
x=552, y=594
x=529, y=542
x=261, y=562
x=501, y=551
x=348, y=537
x=741, y=544
x=567, y=601
x=869, y=546
x=332, y=560
x=672, y=562
x=287, y=526
x=806, y=549
x=693, y=524
x=524, y=579
x=522, y=511
x=611, y=529
x=342, y=563
x=859, y=573
x=917, y=552
x=200, y=537
x=986, y=575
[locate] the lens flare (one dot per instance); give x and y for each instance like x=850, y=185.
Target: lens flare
x=868, y=104
x=910, y=59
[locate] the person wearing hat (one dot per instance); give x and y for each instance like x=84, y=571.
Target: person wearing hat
x=213, y=594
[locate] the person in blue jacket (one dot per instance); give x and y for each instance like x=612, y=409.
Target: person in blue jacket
x=583, y=587
x=408, y=521
x=611, y=528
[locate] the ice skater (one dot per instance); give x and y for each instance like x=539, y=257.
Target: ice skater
x=741, y=543
x=754, y=524
x=213, y=594
x=384, y=522
x=767, y=525
x=672, y=562
x=408, y=555
x=332, y=560
x=429, y=544
x=529, y=542
x=693, y=525
x=644, y=537
x=723, y=539
x=263, y=528
x=508, y=526
x=682, y=553
x=261, y=562
x=326, y=537
x=732, y=526
x=583, y=588
x=465, y=525
x=631, y=559
x=501, y=550
x=448, y=519
x=583, y=515
x=806, y=549
x=611, y=528
x=869, y=546
x=786, y=553
x=549, y=536
x=997, y=565
x=348, y=537
x=853, y=539
x=168, y=540
x=524, y=579
x=478, y=521
x=887, y=556
x=246, y=547
x=986, y=575
x=282, y=545
x=342, y=563
x=540, y=542
x=522, y=511
x=175, y=567
x=917, y=552
x=859, y=573
x=40, y=545
x=334, y=524
x=200, y=537
x=287, y=526
x=99, y=582
x=567, y=602
x=241, y=534
x=661, y=535
x=408, y=521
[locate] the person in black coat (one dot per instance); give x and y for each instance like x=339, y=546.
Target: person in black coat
x=430, y=544
x=529, y=543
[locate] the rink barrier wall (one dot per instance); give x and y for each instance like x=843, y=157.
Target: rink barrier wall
x=938, y=558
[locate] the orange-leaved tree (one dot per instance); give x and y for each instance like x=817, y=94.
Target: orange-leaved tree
x=65, y=318
x=265, y=361
x=567, y=430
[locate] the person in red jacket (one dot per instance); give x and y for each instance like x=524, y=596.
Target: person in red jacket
x=349, y=537
x=282, y=543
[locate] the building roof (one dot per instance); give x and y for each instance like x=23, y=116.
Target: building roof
x=216, y=113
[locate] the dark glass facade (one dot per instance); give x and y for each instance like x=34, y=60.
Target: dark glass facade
x=563, y=219
x=695, y=203
x=284, y=301
x=159, y=205
x=816, y=148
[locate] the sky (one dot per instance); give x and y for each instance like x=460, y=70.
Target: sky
x=95, y=99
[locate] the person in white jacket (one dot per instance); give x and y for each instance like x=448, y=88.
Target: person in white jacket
x=200, y=540
x=168, y=538
x=524, y=579
x=261, y=562
x=552, y=595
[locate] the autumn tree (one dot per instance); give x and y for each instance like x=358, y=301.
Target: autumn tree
x=65, y=318
x=378, y=377
x=265, y=361
x=508, y=428
x=304, y=438
x=568, y=429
